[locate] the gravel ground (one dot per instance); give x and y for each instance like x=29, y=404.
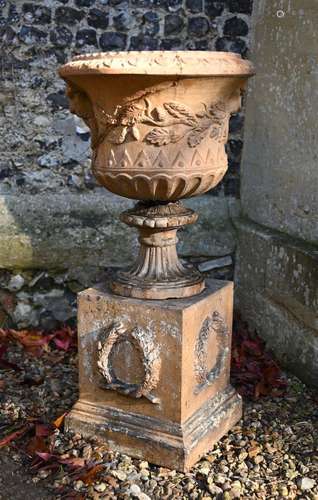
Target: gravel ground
x=272, y=453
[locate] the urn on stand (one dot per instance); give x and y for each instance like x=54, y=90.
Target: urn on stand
x=155, y=342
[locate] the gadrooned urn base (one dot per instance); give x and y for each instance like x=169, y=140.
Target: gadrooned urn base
x=158, y=273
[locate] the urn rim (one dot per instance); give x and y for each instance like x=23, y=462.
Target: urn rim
x=173, y=63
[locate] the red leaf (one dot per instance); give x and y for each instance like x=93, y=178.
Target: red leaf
x=32, y=341
x=254, y=372
x=42, y=430
x=65, y=338
x=15, y=435
x=44, y=455
x=73, y=462
x=62, y=343
x=36, y=444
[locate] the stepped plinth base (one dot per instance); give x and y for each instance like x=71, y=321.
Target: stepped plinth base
x=154, y=375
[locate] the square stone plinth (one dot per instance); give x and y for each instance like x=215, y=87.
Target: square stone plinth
x=154, y=374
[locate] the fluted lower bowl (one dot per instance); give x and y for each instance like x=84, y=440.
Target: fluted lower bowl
x=159, y=120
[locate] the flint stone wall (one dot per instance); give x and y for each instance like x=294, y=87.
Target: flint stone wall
x=59, y=230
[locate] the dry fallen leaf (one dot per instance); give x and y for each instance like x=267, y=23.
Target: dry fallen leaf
x=89, y=476
x=59, y=421
x=253, y=451
x=14, y=435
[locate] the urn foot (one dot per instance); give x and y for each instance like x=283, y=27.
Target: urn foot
x=158, y=273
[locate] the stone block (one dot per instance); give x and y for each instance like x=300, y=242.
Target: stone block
x=66, y=230
x=279, y=185
x=277, y=293
x=154, y=375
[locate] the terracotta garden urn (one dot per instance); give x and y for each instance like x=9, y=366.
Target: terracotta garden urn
x=159, y=123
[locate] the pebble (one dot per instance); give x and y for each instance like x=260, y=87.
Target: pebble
x=100, y=487
x=48, y=160
x=23, y=314
x=214, y=489
x=78, y=485
x=305, y=483
x=41, y=121
x=220, y=479
x=143, y=496
x=43, y=474
x=119, y=474
x=143, y=465
x=283, y=490
x=134, y=490
x=16, y=283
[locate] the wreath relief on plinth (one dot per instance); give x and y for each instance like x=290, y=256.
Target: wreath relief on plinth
x=143, y=342
x=213, y=327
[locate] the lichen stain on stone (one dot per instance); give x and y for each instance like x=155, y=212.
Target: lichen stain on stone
x=166, y=328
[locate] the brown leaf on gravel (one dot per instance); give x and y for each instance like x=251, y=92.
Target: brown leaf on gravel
x=253, y=451
x=270, y=449
x=33, y=341
x=90, y=476
x=73, y=462
x=111, y=481
x=59, y=420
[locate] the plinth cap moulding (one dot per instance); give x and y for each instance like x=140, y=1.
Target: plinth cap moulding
x=186, y=63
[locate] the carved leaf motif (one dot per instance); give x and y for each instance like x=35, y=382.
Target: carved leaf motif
x=198, y=134
x=161, y=136
x=117, y=135
x=158, y=114
x=215, y=132
x=123, y=123
x=135, y=133
x=181, y=112
x=102, y=117
x=218, y=113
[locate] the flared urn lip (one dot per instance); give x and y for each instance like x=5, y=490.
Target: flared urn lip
x=174, y=63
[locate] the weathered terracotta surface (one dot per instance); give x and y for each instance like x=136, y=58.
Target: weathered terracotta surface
x=159, y=122
x=154, y=375
x=158, y=272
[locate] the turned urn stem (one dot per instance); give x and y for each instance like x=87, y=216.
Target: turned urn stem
x=158, y=273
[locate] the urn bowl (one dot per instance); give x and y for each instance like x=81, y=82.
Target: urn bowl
x=158, y=120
